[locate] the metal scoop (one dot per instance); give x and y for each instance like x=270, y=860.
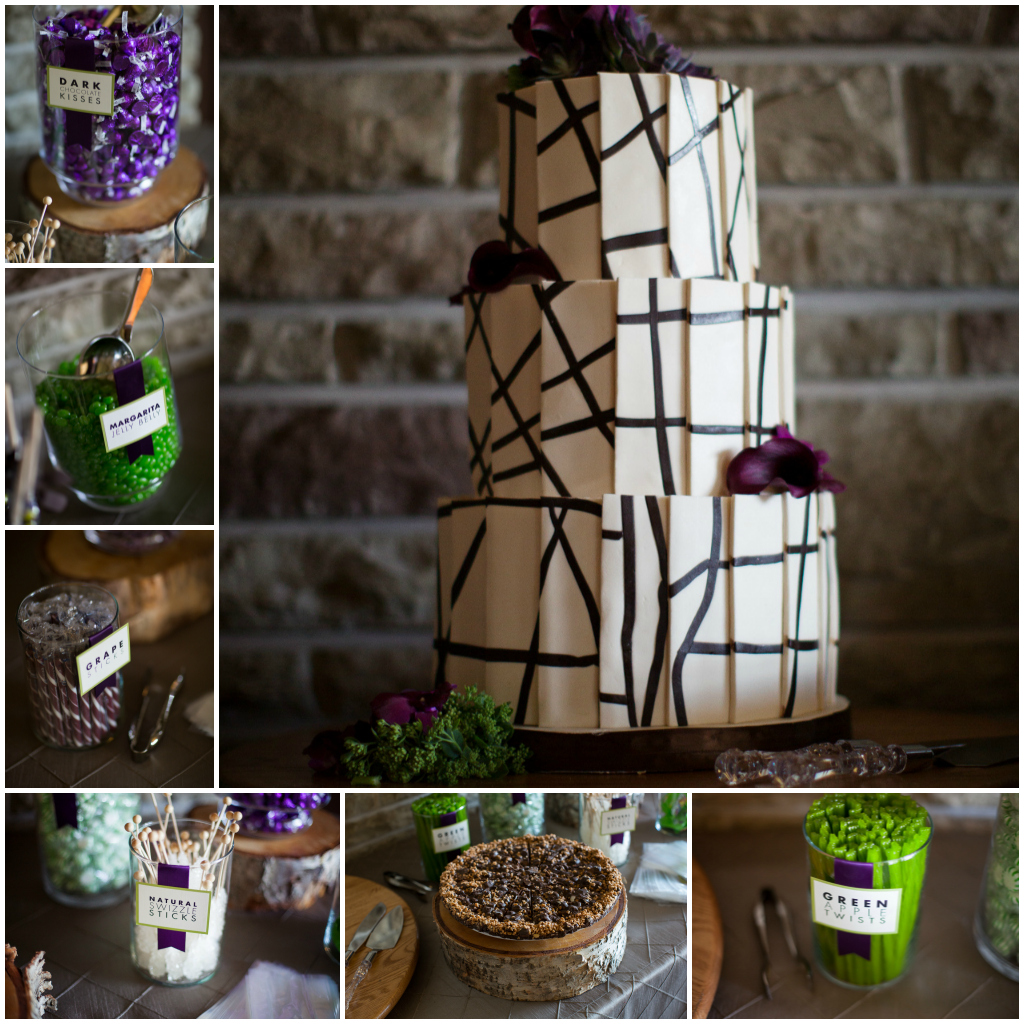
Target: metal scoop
x=106, y=353
x=142, y=750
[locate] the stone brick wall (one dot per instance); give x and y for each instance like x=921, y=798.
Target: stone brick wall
x=358, y=173
x=21, y=105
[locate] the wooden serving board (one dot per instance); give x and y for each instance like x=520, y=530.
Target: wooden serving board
x=678, y=749
x=707, y=950
x=283, y=872
x=157, y=592
x=141, y=231
x=533, y=970
x=392, y=970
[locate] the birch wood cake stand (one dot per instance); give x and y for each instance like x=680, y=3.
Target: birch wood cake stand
x=157, y=591
x=534, y=970
x=678, y=749
x=706, y=956
x=283, y=872
x=141, y=231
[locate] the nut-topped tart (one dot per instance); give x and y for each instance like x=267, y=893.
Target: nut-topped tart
x=531, y=887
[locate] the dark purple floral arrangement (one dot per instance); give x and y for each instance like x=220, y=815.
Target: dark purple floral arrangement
x=495, y=266
x=570, y=42
x=782, y=461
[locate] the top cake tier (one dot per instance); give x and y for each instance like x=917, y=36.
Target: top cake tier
x=631, y=175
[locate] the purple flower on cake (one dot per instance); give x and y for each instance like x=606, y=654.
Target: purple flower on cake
x=401, y=708
x=570, y=42
x=495, y=266
x=782, y=461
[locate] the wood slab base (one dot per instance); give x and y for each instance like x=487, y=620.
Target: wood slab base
x=534, y=970
x=141, y=231
x=689, y=748
x=708, y=944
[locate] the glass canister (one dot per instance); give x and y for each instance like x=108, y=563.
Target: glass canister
x=607, y=820
x=108, y=80
x=193, y=232
x=867, y=855
x=84, y=436
x=504, y=815
x=997, y=921
x=671, y=813
x=56, y=624
x=442, y=830
x=81, y=846
x=276, y=813
x=180, y=884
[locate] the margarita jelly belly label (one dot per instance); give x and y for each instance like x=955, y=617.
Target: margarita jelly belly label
x=451, y=837
x=106, y=657
x=167, y=906
x=91, y=92
x=863, y=911
x=617, y=821
x=134, y=421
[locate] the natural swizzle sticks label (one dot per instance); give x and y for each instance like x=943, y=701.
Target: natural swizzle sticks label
x=166, y=906
x=863, y=911
x=108, y=655
x=134, y=420
x=617, y=820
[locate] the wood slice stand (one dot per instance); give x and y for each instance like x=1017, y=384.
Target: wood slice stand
x=680, y=749
x=141, y=231
x=708, y=946
x=283, y=872
x=157, y=592
x=534, y=970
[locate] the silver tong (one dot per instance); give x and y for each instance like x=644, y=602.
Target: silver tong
x=397, y=881
x=768, y=898
x=140, y=753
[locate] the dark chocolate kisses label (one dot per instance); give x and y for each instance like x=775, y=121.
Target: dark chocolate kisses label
x=87, y=92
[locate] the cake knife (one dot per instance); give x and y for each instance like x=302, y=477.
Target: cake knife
x=364, y=929
x=384, y=936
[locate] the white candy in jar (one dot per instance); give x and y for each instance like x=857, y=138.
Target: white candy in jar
x=592, y=806
x=202, y=952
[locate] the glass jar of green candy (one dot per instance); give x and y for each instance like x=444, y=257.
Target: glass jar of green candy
x=504, y=815
x=442, y=830
x=997, y=921
x=82, y=846
x=49, y=343
x=878, y=843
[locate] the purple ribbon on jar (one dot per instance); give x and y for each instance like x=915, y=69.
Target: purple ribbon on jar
x=131, y=386
x=618, y=802
x=65, y=809
x=518, y=798
x=175, y=875
x=79, y=55
x=857, y=875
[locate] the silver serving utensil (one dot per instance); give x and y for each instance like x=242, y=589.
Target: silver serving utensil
x=762, y=933
x=106, y=353
x=397, y=881
x=384, y=936
x=139, y=751
x=370, y=922
x=769, y=897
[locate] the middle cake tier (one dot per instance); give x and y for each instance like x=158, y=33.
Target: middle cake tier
x=635, y=386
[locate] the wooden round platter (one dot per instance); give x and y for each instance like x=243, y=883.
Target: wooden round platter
x=391, y=971
x=678, y=749
x=706, y=952
x=534, y=970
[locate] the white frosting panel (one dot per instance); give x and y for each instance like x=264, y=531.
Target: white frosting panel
x=443, y=597
x=764, y=363
x=787, y=371
x=827, y=530
x=739, y=190
x=478, y=379
x=468, y=569
x=800, y=658
x=517, y=158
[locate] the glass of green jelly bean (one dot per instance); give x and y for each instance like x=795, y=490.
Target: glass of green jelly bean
x=49, y=343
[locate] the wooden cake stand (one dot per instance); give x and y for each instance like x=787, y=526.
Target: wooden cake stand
x=141, y=231
x=534, y=970
x=157, y=592
x=706, y=955
x=679, y=749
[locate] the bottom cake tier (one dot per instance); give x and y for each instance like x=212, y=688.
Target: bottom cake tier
x=631, y=611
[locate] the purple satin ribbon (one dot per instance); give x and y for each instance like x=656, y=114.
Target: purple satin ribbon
x=518, y=798
x=95, y=639
x=618, y=802
x=131, y=386
x=79, y=55
x=857, y=875
x=65, y=809
x=175, y=875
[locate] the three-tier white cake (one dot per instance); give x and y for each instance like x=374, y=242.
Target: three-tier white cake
x=602, y=576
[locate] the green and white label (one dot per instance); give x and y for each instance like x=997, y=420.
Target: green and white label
x=166, y=906
x=103, y=659
x=619, y=819
x=451, y=837
x=134, y=420
x=88, y=92
x=862, y=911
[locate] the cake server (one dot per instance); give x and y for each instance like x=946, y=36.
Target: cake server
x=362, y=932
x=384, y=936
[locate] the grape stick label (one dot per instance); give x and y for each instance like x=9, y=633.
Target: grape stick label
x=134, y=420
x=862, y=911
x=619, y=819
x=167, y=906
x=91, y=92
x=103, y=659
x=451, y=837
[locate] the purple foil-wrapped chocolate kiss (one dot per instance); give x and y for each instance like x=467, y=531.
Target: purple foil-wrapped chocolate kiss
x=782, y=461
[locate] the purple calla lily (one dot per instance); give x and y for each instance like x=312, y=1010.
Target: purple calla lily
x=401, y=708
x=495, y=266
x=782, y=461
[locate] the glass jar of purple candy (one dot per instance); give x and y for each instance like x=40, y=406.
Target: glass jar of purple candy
x=280, y=813
x=108, y=80
x=56, y=624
